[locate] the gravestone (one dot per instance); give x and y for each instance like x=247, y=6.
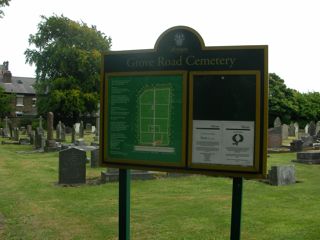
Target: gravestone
x=274, y=137
x=88, y=127
x=292, y=130
x=58, y=131
x=73, y=134
x=96, y=137
x=39, y=139
x=296, y=126
x=40, y=122
x=77, y=127
x=94, y=161
x=29, y=129
x=6, y=130
x=296, y=145
x=50, y=143
x=312, y=129
x=317, y=127
x=15, y=134
x=81, y=130
x=306, y=128
x=32, y=137
x=309, y=157
x=23, y=130
x=63, y=132
x=307, y=141
x=282, y=175
x=72, y=166
x=284, y=129
x=277, y=122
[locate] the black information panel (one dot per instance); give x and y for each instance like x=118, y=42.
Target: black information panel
x=186, y=107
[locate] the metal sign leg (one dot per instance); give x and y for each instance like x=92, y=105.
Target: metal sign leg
x=236, y=208
x=124, y=204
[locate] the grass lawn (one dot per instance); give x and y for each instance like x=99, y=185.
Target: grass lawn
x=33, y=206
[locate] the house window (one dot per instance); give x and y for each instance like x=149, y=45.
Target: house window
x=34, y=101
x=19, y=101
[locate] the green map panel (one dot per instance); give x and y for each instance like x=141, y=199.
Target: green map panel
x=145, y=118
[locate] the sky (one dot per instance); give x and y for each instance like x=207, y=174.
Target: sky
x=290, y=28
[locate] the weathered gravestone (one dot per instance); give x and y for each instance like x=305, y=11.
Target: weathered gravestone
x=291, y=130
x=306, y=128
x=39, y=140
x=72, y=166
x=307, y=141
x=277, y=122
x=296, y=126
x=94, y=161
x=60, y=132
x=29, y=130
x=317, y=127
x=312, y=129
x=73, y=134
x=282, y=175
x=96, y=137
x=274, y=137
x=15, y=134
x=88, y=127
x=50, y=143
x=285, y=129
x=81, y=130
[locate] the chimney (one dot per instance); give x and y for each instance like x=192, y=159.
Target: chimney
x=7, y=77
x=6, y=74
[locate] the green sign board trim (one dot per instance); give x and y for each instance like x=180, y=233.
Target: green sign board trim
x=154, y=105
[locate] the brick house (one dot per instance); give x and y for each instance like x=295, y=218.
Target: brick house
x=24, y=100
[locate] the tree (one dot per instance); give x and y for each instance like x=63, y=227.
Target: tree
x=5, y=100
x=67, y=57
x=282, y=100
x=3, y=3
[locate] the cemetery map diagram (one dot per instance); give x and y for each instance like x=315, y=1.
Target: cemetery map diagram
x=154, y=118
x=145, y=117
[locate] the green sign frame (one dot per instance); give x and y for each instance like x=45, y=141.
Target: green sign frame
x=185, y=107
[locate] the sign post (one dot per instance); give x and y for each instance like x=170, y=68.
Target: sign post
x=185, y=107
x=124, y=204
x=236, y=208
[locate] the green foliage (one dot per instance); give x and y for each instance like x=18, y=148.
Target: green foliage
x=3, y=3
x=291, y=105
x=5, y=100
x=67, y=56
x=282, y=100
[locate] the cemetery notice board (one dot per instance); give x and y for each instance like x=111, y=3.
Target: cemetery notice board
x=186, y=107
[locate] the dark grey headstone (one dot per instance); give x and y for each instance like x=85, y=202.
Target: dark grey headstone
x=310, y=157
x=296, y=146
x=282, y=175
x=72, y=166
x=94, y=161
